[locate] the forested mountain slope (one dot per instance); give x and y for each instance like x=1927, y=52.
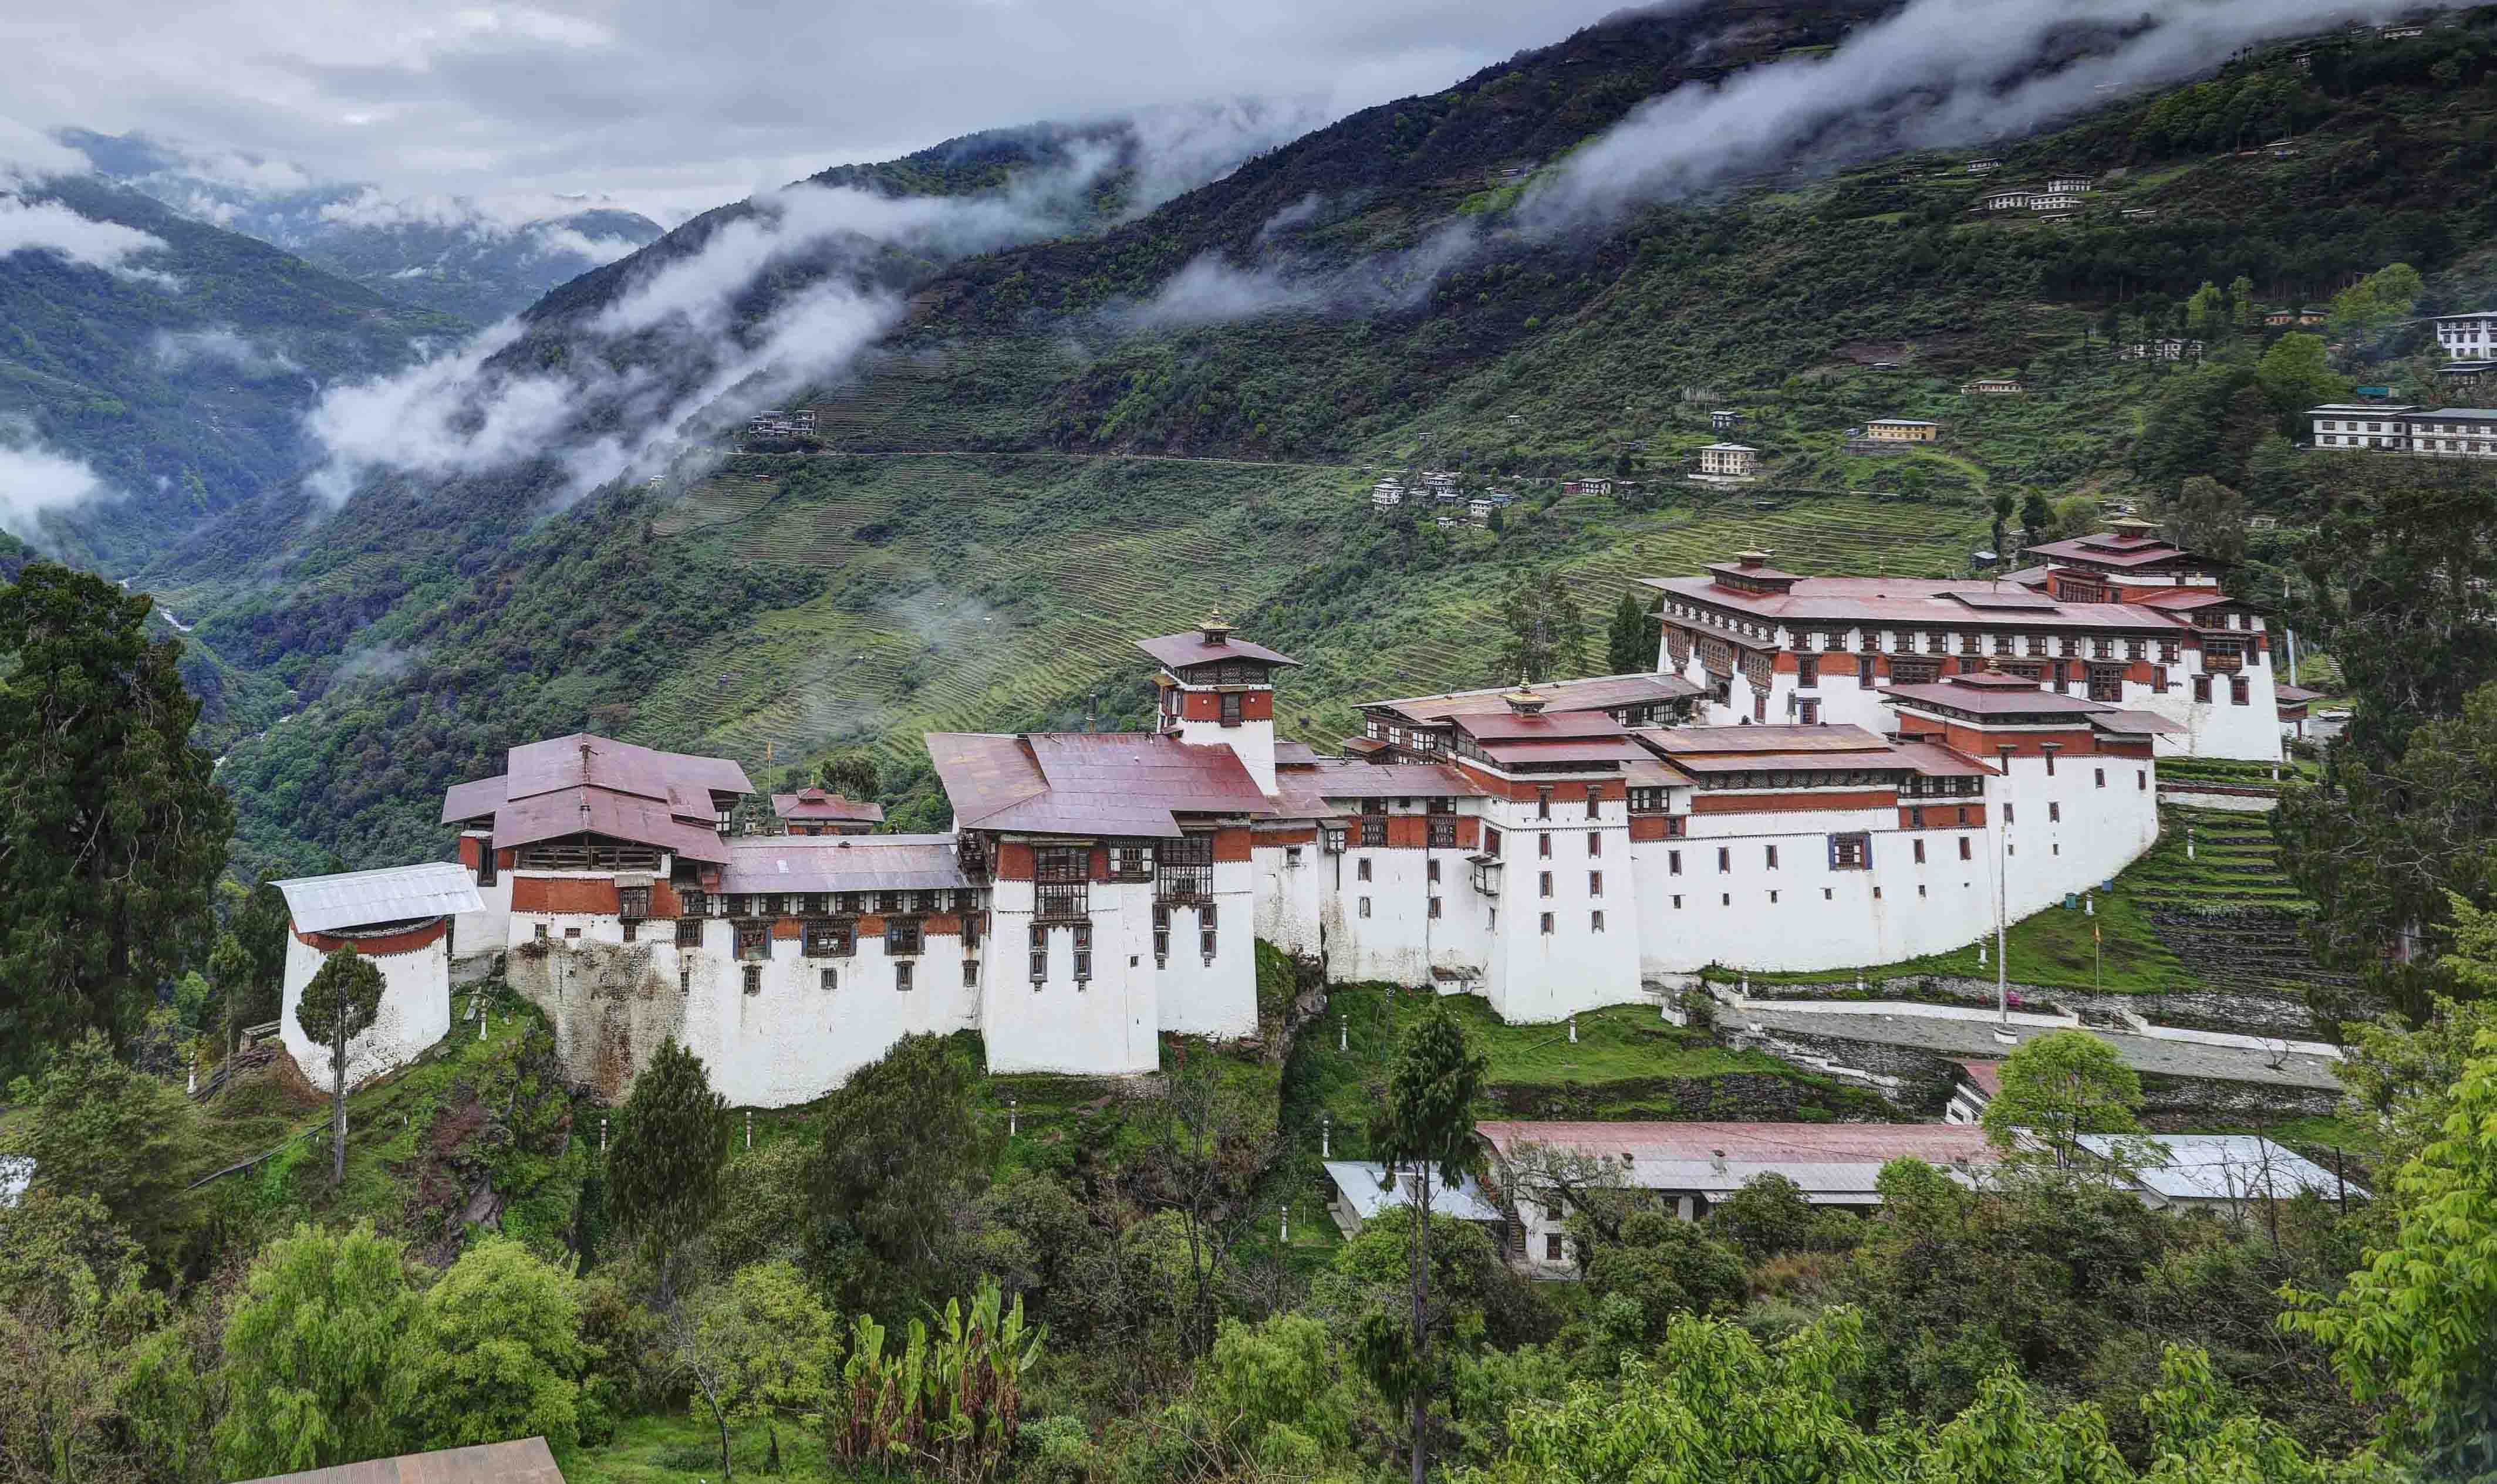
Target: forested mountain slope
x=445, y=253
x=1054, y=447
x=171, y=359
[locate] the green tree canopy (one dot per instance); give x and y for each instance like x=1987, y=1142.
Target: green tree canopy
x=903, y=1151
x=1629, y=647
x=2377, y=302
x=312, y=1348
x=2415, y=1329
x=762, y=1348
x=2206, y=518
x=663, y=1172
x=115, y=828
x=1662, y=1267
x=2295, y=374
x=494, y=1353
x=337, y=1005
x=102, y=1129
x=1544, y=634
x=2060, y=1085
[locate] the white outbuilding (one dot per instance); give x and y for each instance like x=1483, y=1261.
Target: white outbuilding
x=399, y=917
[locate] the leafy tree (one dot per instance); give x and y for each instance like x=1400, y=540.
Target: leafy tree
x=99, y=1129
x=1281, y=1373
x=339, y=1005
x=2037, y=517
x=494, y=1352
x=2060, y=1085
x=1212, y=1142
x=261, y=927
x=2399, y=1079
x=2002, y=506
x=760, y=1347
x=663, y=1173
x=229, y=977
x=2386, y=851
x=2207, y=518
x=72, y=1292
x=311, y=1350
x=2277, y=477
x=1662, y=1267
x=115, y=828
x=2396, y=580
x=1545, y=633
x=2377, y=302
x=2244, y=314
x=2416, y=1328
x=1770, y=1216
x=851, y=774
x=1427, y=1126
x=1629, y=648
x=2206, y=313
x=2294, y=374
x=903, y=1155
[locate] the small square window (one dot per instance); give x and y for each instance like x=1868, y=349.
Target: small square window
x=970, y=973
x=685, y=981
x=571, y=934
x=1673, y=863
x=1921, y=852
x=631, y=929
x=901, y=975
x=1677, y=903
x=2102, y=776
x=1595, y=883
x=2054, y=812
x=1432, y=871
x=1552, y=1246
x=1773, y=857
x=1547, y=925
x=1435, y=906
x=831, y=979
x=1964, y=853
x=541, y=929
x=754, y=979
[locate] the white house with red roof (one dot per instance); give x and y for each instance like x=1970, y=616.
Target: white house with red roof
x=2122, y=618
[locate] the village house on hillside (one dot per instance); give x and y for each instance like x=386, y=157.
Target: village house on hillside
x=1992, y=386
x=1728, y=461
x=2166, y=348
x=2439, y=432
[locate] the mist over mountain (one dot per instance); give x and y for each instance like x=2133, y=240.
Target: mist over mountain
x=479, y=260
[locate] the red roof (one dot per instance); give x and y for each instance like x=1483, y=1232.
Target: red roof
x=600, y=811
x=1619, y=749
x=814, y=804
x=1489, y=726
x=841, y=863
x=1334, y=779
x=2107, y=548
x=1194, y=649
x=1088, y=783
x=476, y=800
x=1782, y=738
x=1595, y=693
x=1903, y=601
x=2022, y=699
x=685, y=781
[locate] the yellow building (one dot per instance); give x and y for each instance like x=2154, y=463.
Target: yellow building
x=1902, y=431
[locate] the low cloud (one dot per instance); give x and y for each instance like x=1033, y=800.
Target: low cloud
x=47, y=226
x=35, y=481
x=698, y=340
x=174, y=349
x=1939, y=73
x=1210, y=291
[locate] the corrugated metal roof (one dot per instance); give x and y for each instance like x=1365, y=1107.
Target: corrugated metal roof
x=842, y=863
x=1131, y=783
x=1191, y=649
x=1677, y=742
x=2024, y=700
x=816, y=804
x=1936, y=760
x=1338, y=778
x=476, y=800
x=685, y=780
x=523, y=1461
x=2223, y=1167
x=1814, y=762
x=1508, y=725
x=394, y=894
x=1358, y=1182
x=1898, y=600
x=1595, y=693
x=1835, y=1163
x=1617, y=750
x=598, y=811
x=2133, y=724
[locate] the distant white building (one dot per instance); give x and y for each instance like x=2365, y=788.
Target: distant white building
x=1723, y=420
x=2166, y=348
x=1984, y=166
x=2055, y=200
x=2068, y=185
x=1386, y=494
x=2469, y=336
x=2437, y=432
x=1729, y=460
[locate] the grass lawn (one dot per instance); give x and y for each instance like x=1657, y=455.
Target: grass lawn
x=680, y=1445
x=2233, y=865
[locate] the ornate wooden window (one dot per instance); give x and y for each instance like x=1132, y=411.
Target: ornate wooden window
x=1850, y=852
x=1161, y=933
x=902, y=936
x=1205, y=933
x=1443, y=833
x=1083, y=952
x=632, y=901
x=584, y=853
x=1187, y=871
x=754, y=979
x=1062, y=880
x=2107, y=683
x=753, y=939
x=689, y=932
x=1132, y=863
x=1039, y=953
x=831, y=939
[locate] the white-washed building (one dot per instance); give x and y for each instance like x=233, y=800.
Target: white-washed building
x=401, y=918
x=2122, y=618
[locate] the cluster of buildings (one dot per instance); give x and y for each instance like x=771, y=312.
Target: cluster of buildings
x=2165, y=348
x=781, y=422
x=1819, y=773
x=1443, y=492
x=2470, y=345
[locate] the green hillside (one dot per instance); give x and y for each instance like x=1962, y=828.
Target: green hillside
x=1023, y=478
x=184, y=382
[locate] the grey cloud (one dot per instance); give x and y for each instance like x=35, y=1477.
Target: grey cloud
x=36, y=481
x=48, y=227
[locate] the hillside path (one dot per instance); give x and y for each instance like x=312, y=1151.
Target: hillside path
x=1956, y=1037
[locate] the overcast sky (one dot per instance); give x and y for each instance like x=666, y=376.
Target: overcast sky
x=673, y=105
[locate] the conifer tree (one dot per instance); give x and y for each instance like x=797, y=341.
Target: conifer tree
x=338, y=1006
x=111, y=829
x=1628, y=648
x=1427, y=1128
x=663, y=1176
